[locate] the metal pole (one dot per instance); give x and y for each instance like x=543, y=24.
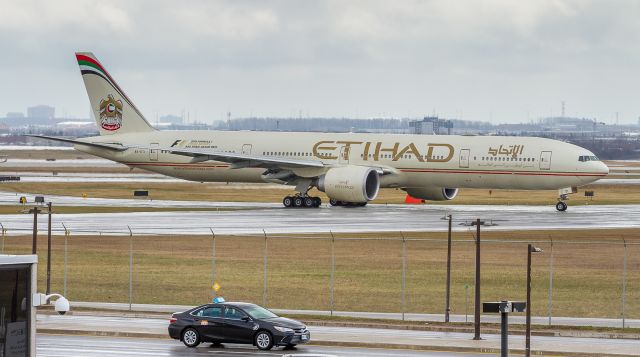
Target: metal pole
x=466, y=302
x=264, y=278
x=130, y=267
x=213, y=263
x=333, y=269
x=527, y=348
x=624, y=283
x=404, y=268
x=476, y=315
x=2, y=246
x=447, y=308
x=551, y=282
x=35, y=231
x=66, y=236
x=49, y=249
x=504, y=332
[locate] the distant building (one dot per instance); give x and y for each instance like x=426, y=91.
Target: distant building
x=41, y=112
x=13, y=115
x=171, y=119
x=430, y=125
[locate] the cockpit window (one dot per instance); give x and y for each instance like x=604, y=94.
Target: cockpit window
x=587, y=158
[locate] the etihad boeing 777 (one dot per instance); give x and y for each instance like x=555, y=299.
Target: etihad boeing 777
x=349, y=167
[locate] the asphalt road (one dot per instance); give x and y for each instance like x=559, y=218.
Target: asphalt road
x=379, y=218
x=333, y=335
x=72, y=346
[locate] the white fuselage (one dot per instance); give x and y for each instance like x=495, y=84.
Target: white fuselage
x=498, y=162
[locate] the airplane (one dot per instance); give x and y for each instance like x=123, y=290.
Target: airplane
x=349, y=167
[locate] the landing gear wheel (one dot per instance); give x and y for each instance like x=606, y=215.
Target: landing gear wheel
x=561, y=206
x=264, y=340
x=308, y=202
x=287, y=201
x=190, y=337
x=298, y=202
x=317, y=201
x=335, y=202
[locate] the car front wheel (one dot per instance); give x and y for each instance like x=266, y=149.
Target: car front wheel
x=190, y=337
x=264, y=340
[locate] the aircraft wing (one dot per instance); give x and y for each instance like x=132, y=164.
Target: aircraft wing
x=242, y=160
x=109, y=146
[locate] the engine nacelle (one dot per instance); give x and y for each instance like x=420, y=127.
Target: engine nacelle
x=350, y=183
x=433, y=193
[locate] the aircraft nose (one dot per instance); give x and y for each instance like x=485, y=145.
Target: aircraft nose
x=603, y=168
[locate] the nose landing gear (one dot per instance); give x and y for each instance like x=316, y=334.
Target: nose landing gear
x=561, y=206
x=564, y=193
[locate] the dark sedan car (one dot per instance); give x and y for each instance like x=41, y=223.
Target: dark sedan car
x=236, y=322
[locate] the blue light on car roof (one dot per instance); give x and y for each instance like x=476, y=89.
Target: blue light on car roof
x=218, y=300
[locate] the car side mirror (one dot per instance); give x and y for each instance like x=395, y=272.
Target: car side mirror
x=246, y=319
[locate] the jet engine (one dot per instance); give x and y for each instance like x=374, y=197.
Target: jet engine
x=350, y=183
x=433, y=193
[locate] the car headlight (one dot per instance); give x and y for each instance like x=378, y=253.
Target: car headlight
x=283, y=329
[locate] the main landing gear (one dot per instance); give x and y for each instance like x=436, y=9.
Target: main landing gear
x=301, y=201
x=334, y=202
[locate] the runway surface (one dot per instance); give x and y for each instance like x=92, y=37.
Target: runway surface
x=158, y=326
x=379, y=218
x=72, y=346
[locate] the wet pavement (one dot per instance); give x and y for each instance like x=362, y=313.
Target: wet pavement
x=106, y=325
x=273, y=218
x=75, y=346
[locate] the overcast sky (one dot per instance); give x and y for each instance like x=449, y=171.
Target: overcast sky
x=498, y=61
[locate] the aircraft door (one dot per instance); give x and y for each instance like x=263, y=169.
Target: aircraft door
x=153, y=152
x=344, y=155
x=545, y=160
x=464, y=158
x=246, y=149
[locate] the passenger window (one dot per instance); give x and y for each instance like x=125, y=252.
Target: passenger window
x=209, y=312
x=233, y=313
x=213, y=312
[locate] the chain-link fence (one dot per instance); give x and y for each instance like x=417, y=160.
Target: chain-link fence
x=579, y=274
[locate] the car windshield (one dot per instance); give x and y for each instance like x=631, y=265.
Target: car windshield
x=258, y=312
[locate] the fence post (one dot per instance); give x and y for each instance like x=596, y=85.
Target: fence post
x=404, y=267
x=130, y=267
x=66, y=244
x=332, y=275
x=476, y=312
x=624, y=282
x=213, y=263
x=466, y=302
x=264, y=277
x=447, y=299
x=551, y=281
x=2, y=245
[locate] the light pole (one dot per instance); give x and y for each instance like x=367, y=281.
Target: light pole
x=476, y=318
x=35, y=211
x=527, y=348
x=49, y=249
x=447, y=309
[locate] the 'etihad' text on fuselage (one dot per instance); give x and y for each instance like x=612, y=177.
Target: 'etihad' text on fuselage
x=374, y=150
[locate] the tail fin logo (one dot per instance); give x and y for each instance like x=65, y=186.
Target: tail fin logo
x=110, y=113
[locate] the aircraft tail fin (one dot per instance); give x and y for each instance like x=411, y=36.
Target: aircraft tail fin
x=114, y=112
